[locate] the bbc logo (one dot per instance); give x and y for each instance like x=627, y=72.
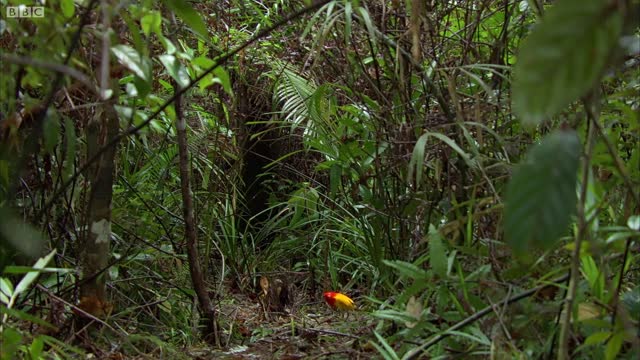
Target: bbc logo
x=23, y=11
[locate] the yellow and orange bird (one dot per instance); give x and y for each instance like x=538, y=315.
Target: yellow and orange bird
x=339, y=301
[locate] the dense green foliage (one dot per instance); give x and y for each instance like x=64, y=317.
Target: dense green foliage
x=380, y=148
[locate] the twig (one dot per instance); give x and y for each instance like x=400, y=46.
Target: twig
x=79, y=310
x=327, y=354
x=331, y=332
x=413, y=354
x=565, y=322
x=617, y=161
x=500, y=315
x=60, y=68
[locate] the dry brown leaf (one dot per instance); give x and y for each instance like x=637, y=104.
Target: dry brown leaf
x=264, y=285
x=414, y=309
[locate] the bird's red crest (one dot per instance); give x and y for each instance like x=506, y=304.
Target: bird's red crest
x=338, y=301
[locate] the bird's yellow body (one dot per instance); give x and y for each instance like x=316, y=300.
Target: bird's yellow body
x=339, y=301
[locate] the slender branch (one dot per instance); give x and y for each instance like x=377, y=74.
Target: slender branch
x=565, y=321
x=60, y=68
x=106, y=51
x=151, y=210
x=80, y=311
x=415, y=353
x=617, y=161
x=331, y=332
x=191, y=233
x=417, y=66
x=616, y=296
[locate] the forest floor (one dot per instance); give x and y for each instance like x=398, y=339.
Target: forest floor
x=305, y=330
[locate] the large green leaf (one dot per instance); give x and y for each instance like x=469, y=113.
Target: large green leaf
x=189, y=15
x=293, y=91
x=29, y=277
x=133, y=60
x=563, y=57
x=631, y=300
x=151, y=22
x=51, y=131
x=437, y=252
x=17, y=235
x=416, y=163
x=222, y=77
x=177, y=71
x=614, y=345
x=541, y=196
x=408, y=270
x=67, y=7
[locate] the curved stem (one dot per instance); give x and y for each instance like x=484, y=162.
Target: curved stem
x=565, y=322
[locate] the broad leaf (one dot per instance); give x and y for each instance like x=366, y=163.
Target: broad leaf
x=437, y=255
x=68, y=8
x=151, y=22
x=541, y=196
x=223, y=77
x=614, y=345
x=177, y=71
x=28, y=279
x=597, y=338
x=135, y=62
x=51, y=131
x=21, y=236
x=203, y=62
x=417, y=160
x=35, y=350
x=631, y=301
x=563, y=57
x=384, y=348
x=594, y=276
x=189, y=15
x=396, y=315
x=417, y=157
x=414, y=309
x=6, y=290
x=408, y=269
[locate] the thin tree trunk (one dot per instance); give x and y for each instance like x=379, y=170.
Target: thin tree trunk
x=94, y=251
x=191, y=234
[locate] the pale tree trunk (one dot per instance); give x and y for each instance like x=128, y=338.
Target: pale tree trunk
x=94, y=251
x=191, y=234
x=95, y=248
